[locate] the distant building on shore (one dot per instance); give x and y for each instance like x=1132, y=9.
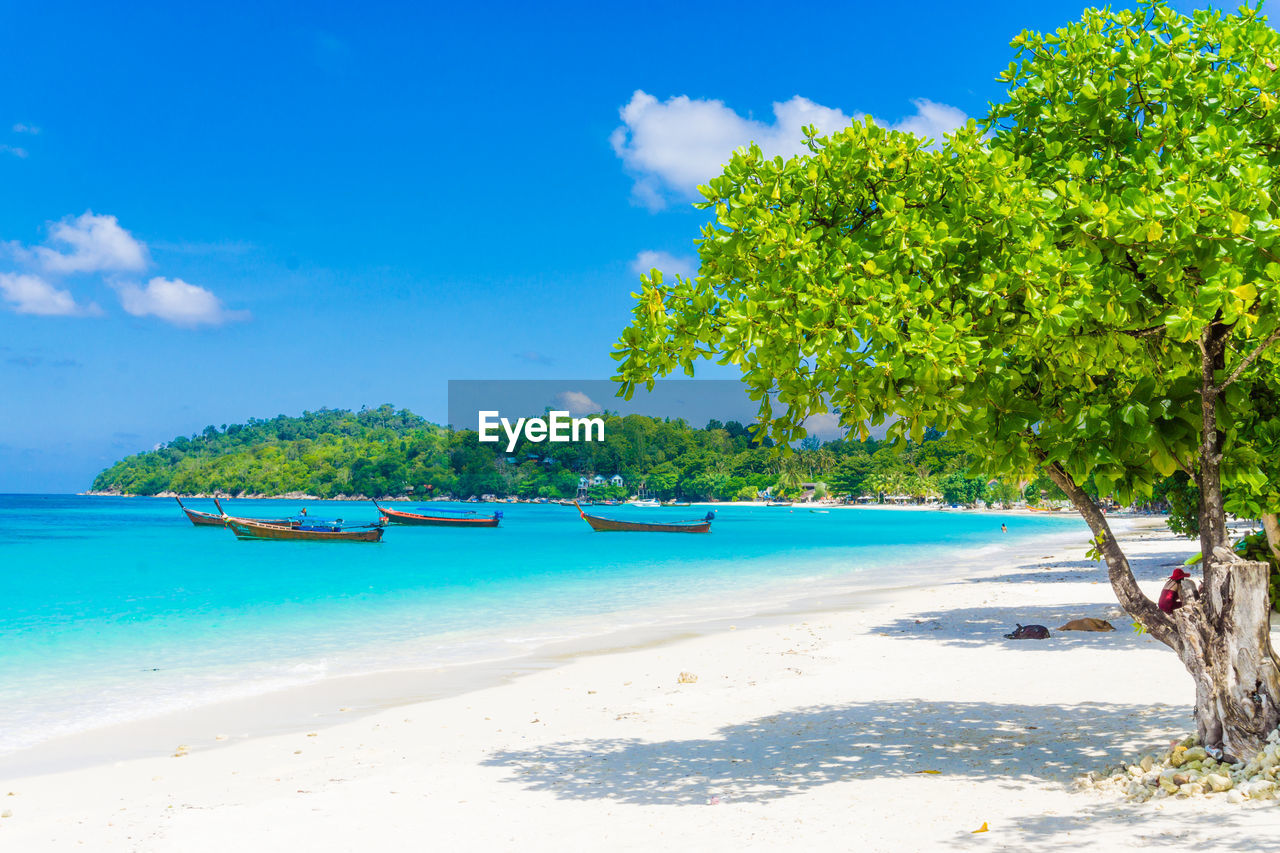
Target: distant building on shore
x=599, y=480
x=586, y=484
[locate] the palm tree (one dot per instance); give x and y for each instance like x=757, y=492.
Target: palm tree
x=721, y=467
x=789, y=475
x=820, y=461
x=921, y=486
x=878, y=483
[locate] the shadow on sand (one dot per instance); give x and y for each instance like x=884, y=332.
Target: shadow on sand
x=985, y=626
x=1147, y=567
x=1008, y=746
x=1004, y=745
x=980, y=626
x=785, y=754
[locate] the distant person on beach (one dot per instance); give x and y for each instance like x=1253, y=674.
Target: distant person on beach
x=1004, y=528
x=1177, y=589
x=304, y=511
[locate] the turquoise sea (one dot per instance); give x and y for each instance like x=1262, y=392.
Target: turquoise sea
x=116, y=609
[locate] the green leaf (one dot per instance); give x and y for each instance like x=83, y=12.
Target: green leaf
x=1245, y=292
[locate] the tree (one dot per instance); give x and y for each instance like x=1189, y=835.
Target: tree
x=878, y=483
x=850, y=473
x=1043, y=487
x=959, y=489
x=1247, y=496
x=663, y=479
x=789, y=478
x=1182, y=495
x=1002, y=492
x=1086, y=282
x=1253, y=472
x=607, y=493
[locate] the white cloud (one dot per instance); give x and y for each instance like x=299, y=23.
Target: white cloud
x=671, y=265
x=577, y=403
x=31, y=294
x=931, y=120
x=26, y=128
x=175, y=301
x=676, y=145
x=20, y=153
x=670, y=147
x=825, y=426
x=94, y=243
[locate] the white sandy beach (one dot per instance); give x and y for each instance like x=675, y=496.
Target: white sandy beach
x=813, y=733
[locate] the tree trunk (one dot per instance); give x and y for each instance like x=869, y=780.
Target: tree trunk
x=1272, y=527
x=1231, y=660
x=1223, y=637
x=1121, y=576
x=1213, y=516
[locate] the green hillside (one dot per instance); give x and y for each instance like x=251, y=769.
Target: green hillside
x=388, y=451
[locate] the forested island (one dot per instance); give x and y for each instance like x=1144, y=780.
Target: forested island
x=393, y=452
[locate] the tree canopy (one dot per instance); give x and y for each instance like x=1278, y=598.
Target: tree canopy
x=1086, y=280
x=1036, y=285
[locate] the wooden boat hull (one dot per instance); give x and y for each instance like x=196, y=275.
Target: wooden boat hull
x=399, y=516
x=216, y=519
x=222, y=517
x=203, y=519
x=395, y=516
x=250, y=530
x=614, y=525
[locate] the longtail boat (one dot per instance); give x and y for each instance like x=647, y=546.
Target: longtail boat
x=310, y=531
x=201, y=519
x=439, y=517
x=610, y=525
x=215, y=519
x=300, y=529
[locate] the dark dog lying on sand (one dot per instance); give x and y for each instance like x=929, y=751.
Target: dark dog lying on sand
x=1029, y=632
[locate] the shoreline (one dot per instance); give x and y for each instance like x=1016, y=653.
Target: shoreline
x=799, y=727
x=902, y=716
x=1064, y=511
x=336, y=698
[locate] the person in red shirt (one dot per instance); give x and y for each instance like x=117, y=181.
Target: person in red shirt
x=1175, y=593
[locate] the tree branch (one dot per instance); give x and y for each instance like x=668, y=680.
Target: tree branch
x=1123, y=583
x=1149, y=332
x=1249, y=359
x=1187, y=467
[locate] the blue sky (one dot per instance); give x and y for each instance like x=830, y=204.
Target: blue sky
x=212, y=213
